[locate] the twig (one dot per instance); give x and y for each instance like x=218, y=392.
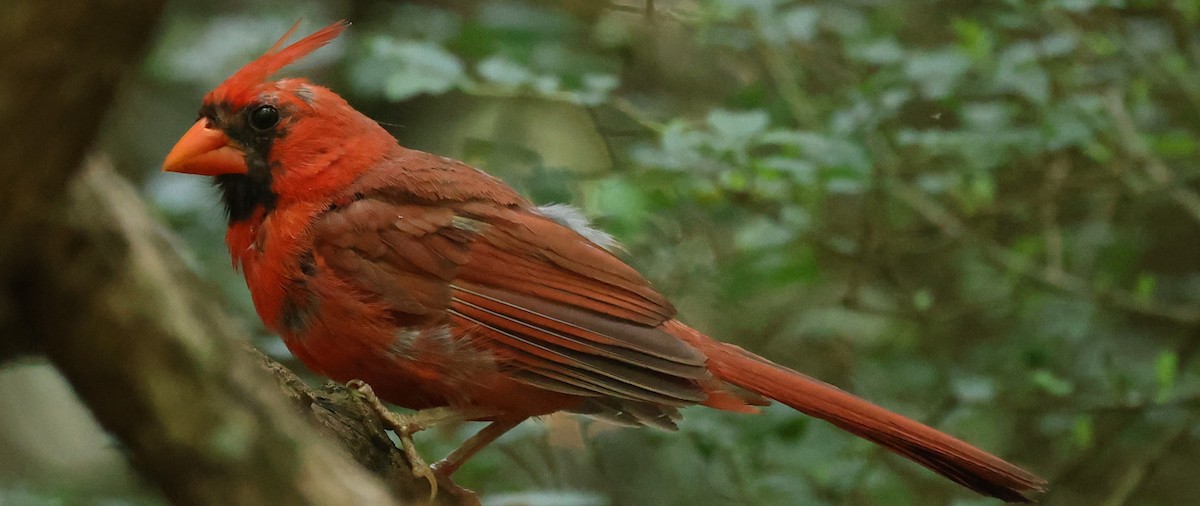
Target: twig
x=782, y=73
x=1163, y=179
x=1059, y=168
x=609, y=150
x=1060, y=281
x=1134, y=476
x=626, y=107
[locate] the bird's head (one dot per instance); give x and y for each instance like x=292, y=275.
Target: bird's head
x=264, y=139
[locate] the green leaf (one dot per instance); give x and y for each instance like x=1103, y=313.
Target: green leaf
x=763, y=234
x=1166, y=374
x=679, y=148
x=1018, y=70
x=1144, y=290
x=522, y=18
x=884, y=51
x=975, y=39
x=922, y=299
x=974, y=389
x=421, y=67
x=622, y=202
x=826, y=150
x=979, y=193
x=937, y=73
x=412, y=21
x=1177, y=144
x=735, y=129
x=801, y=23
x=802, y=171
x=596, y=88
x=1052, y=383
x=1067, y=127
x=989, y=116
x=1083, y=431
x=501, y=70
x=1098, y=152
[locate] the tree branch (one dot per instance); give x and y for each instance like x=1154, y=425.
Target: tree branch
x=165, y=371
x=1060, y=281
x=1161, y=177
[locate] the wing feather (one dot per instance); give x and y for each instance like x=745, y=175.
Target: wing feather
x=613, y=375
x=643, y=346
x=565, y=314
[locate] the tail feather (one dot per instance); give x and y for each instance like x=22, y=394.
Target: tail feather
x=948, y=456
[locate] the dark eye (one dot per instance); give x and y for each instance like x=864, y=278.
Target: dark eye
x=264, y=117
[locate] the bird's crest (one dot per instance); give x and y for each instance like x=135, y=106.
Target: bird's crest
x=241, y=87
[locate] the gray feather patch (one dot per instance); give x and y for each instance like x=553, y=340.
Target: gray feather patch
x=572, y=218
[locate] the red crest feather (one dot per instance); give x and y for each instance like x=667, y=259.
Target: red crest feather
x=241, y=87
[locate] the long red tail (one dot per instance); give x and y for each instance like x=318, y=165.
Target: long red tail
x=948, y=456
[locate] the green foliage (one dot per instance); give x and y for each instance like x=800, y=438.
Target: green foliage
x=983, y=215
x=505, y=48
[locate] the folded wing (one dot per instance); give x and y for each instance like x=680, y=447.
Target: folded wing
x=561, y=312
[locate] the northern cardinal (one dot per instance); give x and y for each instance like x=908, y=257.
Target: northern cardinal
x=441, y=287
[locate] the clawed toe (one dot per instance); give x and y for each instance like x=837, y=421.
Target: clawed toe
x=408, y=424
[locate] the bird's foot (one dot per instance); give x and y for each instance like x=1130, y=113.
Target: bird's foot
x=442, y=473
x=405, y=425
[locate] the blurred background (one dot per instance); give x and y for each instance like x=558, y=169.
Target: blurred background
x=985, y=216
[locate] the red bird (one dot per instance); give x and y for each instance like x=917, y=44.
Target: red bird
x=441, y=287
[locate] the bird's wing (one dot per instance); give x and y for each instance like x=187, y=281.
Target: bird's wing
x=562, y=312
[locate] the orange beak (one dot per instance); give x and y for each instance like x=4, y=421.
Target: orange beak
x=205, y=151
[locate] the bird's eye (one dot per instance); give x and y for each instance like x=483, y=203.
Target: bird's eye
x=264, y=117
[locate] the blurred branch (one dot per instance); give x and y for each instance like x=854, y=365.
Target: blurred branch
x=787, y=84
x=626, y=107
x=60, y=65
x=1161, y=176
x=651, y=12
x=1061, y=281
x=166, y=372
x=1094, y=476
x=1188, y=403
x=1056, y=175
x=1136, y=472
x=57, y=74
x=605, y=137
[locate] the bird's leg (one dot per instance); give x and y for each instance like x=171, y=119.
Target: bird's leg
x=447, y=466
x=405, y=425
